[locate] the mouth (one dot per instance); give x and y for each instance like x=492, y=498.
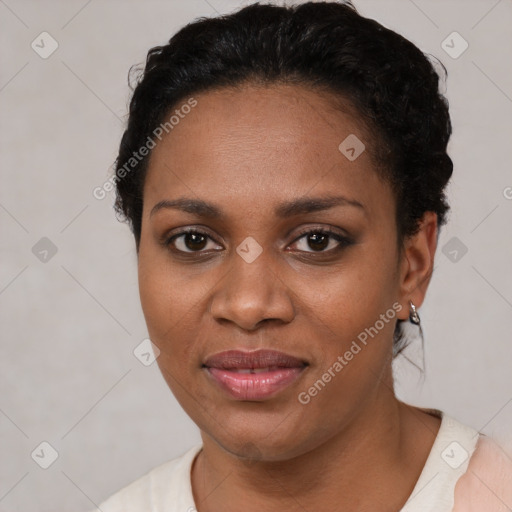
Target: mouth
x=253, y=376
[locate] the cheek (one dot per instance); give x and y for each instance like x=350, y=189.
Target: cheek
x=164, y=297
x=167, y=305
x=354, y=318
x=173, y=302
x=353, y=297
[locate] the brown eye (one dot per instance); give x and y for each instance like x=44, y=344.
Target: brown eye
x=189, y=241
x=322, y=241
x=318, y=241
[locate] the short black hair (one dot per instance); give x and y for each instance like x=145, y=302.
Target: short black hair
x=392, y=85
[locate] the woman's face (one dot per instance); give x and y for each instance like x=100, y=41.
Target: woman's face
x=255, y=166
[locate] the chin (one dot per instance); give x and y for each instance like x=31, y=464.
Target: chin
x=257, y=439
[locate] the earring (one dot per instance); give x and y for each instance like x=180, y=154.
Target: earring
x=413, y=314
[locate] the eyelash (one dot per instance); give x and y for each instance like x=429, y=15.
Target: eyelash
x=343, y=241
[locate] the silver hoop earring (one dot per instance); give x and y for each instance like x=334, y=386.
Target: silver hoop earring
x=413, y=314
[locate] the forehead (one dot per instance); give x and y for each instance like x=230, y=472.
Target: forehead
x=261, y=141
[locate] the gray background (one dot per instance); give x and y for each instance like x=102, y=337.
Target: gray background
x=70, y=321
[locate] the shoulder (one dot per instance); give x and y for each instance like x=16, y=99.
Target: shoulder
x=161, y=488
x=487, y=482
x=464, y=472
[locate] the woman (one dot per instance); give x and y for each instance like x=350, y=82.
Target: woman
x=283, y=172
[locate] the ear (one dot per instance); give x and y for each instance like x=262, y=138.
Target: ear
x=417, y=264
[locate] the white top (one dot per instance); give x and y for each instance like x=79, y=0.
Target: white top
x=167, y=488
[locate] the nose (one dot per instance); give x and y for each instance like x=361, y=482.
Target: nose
x=251, y=294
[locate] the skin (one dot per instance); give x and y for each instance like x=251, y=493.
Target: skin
x=248, y=150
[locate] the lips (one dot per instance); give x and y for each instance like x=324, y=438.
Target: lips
x=255, y=376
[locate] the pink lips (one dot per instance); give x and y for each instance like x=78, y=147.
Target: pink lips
x=254, y=375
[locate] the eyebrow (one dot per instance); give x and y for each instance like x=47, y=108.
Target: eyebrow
x=284, y=210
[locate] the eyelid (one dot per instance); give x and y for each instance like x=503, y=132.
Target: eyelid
x=339, y=235
x=168, y=238
x=323, y=229
x=342, y=238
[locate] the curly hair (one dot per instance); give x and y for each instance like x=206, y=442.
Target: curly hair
x=329, y=46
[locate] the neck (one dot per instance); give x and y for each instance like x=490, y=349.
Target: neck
x=376, y=459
